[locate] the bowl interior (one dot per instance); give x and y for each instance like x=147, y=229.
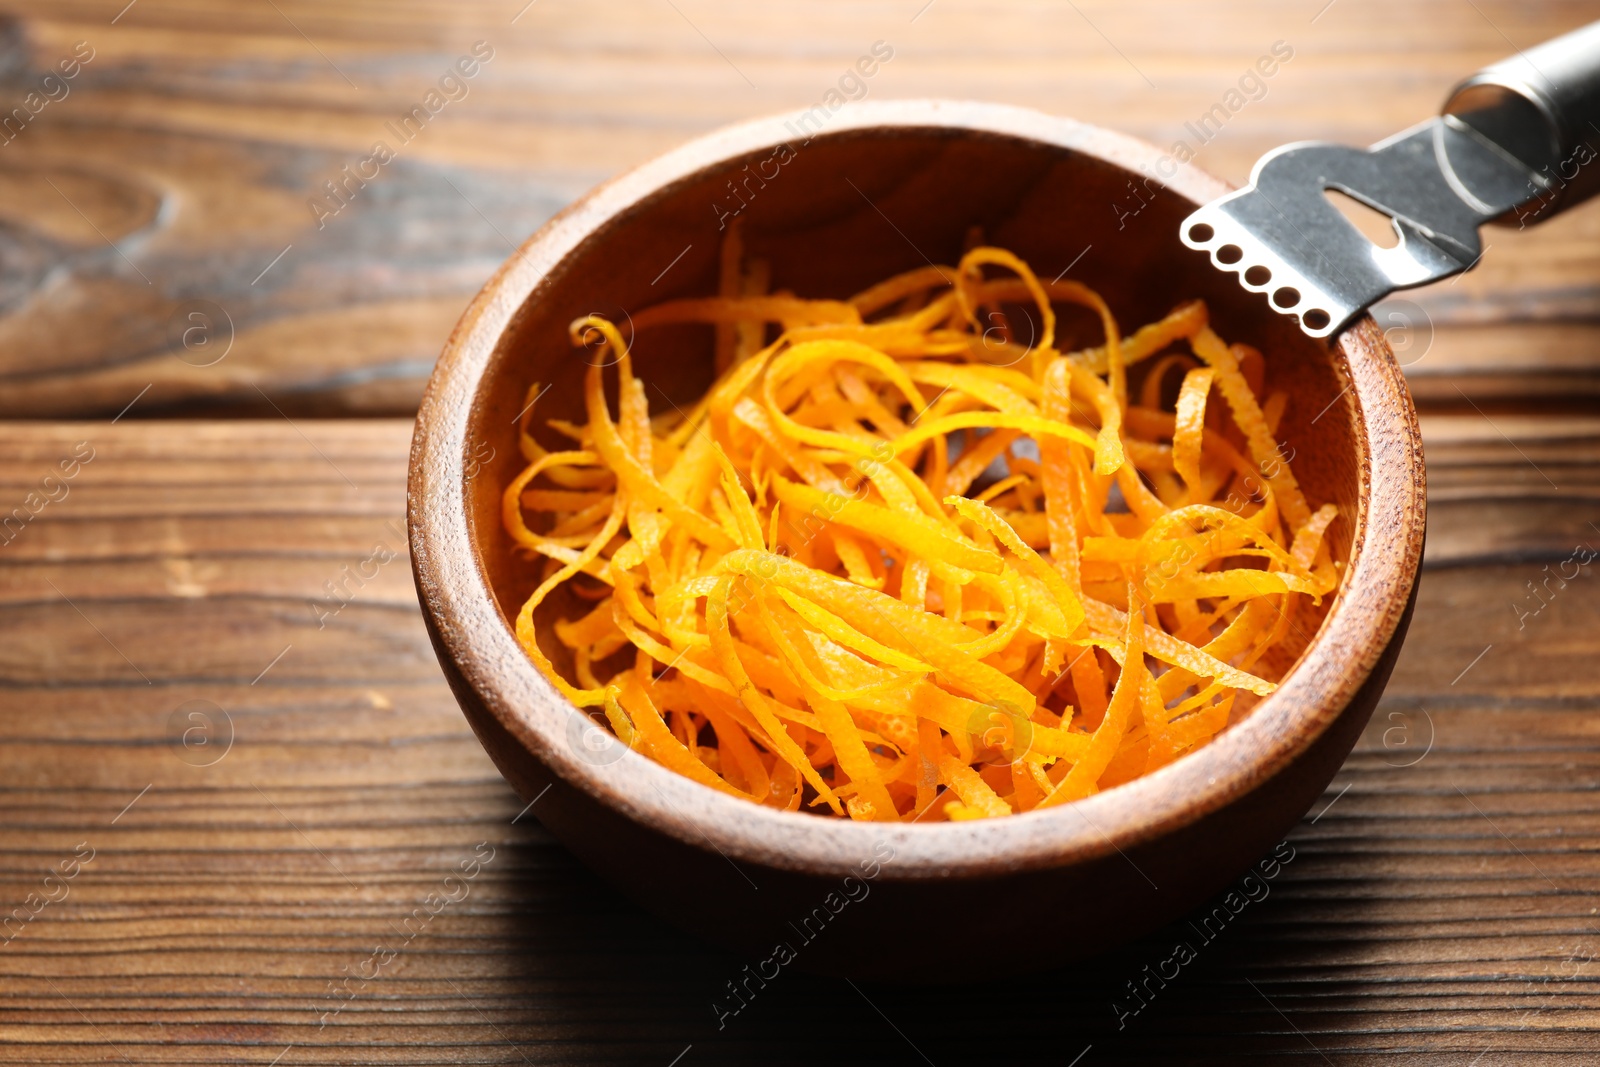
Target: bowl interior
x=848, y=209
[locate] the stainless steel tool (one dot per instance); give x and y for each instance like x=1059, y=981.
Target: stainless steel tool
x=1514, y=144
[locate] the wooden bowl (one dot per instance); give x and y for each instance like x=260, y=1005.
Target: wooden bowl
x=884, y=187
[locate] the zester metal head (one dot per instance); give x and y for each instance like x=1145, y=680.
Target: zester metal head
x=1438, y=181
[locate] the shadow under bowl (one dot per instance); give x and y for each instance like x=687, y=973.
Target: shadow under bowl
x=883, y=188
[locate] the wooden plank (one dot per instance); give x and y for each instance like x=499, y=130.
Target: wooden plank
x=1441, y=904
x=1509, y=488
x=181, y=164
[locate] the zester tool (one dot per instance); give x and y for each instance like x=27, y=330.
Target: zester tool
x=1514, y=145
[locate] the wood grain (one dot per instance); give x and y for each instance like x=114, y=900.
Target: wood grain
x=1441, y=912
x=1440, y=905
x=181, y=163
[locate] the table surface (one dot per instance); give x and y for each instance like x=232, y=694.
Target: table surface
x=249, y=803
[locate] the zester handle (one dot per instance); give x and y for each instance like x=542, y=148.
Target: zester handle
x=1542, y=107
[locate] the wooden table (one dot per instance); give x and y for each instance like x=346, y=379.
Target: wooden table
x=241, y=807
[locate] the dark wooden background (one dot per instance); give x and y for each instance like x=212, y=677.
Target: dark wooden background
x=1443, y=906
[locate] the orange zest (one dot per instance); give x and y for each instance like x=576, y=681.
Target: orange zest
x=939, y=551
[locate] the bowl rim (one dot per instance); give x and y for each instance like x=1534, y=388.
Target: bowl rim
x=454, y=591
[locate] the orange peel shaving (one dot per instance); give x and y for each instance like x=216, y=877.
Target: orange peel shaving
x=898, y=566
